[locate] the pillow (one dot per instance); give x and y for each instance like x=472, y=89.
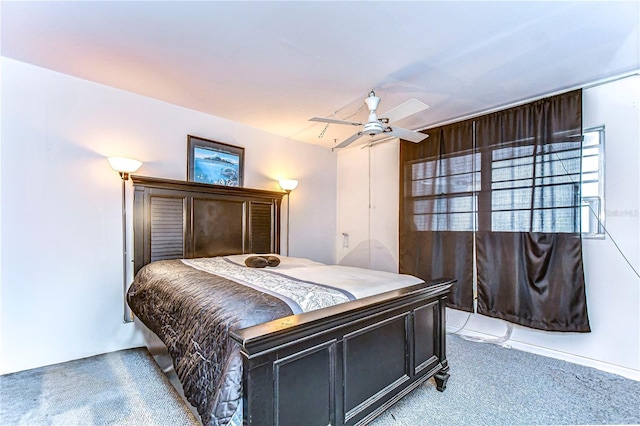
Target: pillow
x=256, y=262
x=272, y=261
x=261, y=261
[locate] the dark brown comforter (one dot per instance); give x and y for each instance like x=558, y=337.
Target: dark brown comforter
x=192, y=311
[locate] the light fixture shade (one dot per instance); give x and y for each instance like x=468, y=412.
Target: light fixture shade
x=288, y=184
x=124, y=165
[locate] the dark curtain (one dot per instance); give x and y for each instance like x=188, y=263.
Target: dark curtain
x=532, y=279
x=437, y=208
x=510, y=182
x=529, y=248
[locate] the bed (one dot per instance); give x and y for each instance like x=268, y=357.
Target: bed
x=245, y=355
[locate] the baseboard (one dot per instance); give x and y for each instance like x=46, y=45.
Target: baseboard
x=552, y=353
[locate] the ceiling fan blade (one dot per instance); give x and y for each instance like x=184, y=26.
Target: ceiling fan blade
x=405, y=109
x=406, y=134
x=334, y=121
x=349, y=140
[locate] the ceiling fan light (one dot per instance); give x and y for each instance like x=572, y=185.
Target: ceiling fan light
x=372, y=102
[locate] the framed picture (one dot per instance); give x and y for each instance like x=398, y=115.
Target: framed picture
x=214, y=162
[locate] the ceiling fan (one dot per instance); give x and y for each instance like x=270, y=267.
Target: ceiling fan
x=376, y=126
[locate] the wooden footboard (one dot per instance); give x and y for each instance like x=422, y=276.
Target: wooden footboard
x=345, y=364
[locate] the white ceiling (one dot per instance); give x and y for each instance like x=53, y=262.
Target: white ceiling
x=274, y=65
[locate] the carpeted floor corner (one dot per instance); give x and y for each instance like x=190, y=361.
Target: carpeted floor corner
x=491, y=385
x=118, y=388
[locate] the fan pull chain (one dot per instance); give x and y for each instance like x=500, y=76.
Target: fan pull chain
x=320, y=136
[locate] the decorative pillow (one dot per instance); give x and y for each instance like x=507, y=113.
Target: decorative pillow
x=256, y=262
x=272, y=261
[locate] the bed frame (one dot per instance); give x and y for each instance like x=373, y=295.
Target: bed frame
x=342, y=365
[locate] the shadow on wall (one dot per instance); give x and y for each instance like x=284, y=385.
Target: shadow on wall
x=370, y=254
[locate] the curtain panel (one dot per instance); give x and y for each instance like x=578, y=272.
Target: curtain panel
x=503, y=190
x=436, y=219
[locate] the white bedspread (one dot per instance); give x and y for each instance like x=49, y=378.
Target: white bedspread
x=359, y=282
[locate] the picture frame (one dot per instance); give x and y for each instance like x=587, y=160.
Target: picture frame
x=214, y=163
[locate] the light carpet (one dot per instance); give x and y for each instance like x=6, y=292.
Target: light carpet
x=491, y=385
x=118, y=388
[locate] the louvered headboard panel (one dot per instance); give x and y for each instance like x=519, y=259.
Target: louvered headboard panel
x=177, y=219
x=167, y=225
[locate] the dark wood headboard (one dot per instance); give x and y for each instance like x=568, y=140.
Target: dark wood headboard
x=177, y=219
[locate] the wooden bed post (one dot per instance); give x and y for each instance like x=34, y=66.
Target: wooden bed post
x=442, y=376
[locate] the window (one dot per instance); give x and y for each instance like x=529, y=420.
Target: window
x=521, y=172
x=592, y=208
x=534, y=187
x=445, y=193
x=529, y=191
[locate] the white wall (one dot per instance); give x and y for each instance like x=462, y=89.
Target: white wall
x=61, y=259
x=613, y=289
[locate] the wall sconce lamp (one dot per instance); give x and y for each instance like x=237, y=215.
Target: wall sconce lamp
x=124, y=166
x=288, y=185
